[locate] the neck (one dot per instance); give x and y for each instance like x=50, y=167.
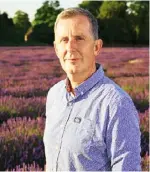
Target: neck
x=77, y=79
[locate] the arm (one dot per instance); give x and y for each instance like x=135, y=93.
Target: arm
x=123, y=137
x=49, y=102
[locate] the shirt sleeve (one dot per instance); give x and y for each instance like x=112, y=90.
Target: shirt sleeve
x=123, y=137
x=49, y=101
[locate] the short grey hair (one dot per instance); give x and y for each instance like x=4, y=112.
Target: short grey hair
x=71, y=12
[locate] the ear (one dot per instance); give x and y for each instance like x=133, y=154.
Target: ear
x=97, y=47
x=54, y=43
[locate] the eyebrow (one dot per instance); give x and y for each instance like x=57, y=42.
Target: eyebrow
x=80, y=35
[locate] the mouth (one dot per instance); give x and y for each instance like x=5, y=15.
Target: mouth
x=72, y=60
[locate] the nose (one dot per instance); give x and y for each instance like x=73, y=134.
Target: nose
x=71, y=45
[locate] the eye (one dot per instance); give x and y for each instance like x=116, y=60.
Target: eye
x=64, y=39
x=78, y=38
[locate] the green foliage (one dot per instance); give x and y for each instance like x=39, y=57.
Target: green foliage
x=47, y=13
x=21, y=20
x=138, y=15
x=7, y=28
x=112, y=21
x=141, y=105
x=22, y=24
x=42, y=33
x=114, y=31
x=43, y=24
x=112, y=9
x=120, y=23
x=13, y=30
x=92, y=6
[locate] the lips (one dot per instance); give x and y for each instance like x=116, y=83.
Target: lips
x=72, y=59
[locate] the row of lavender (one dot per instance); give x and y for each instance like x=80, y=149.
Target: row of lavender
x=13, y=104
x=21, y=143
x=27, y=73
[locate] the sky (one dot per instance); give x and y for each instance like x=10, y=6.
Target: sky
x=30, y=6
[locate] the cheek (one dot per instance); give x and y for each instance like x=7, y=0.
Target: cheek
x=61, y=51
x=88, y=52
x=61, y=56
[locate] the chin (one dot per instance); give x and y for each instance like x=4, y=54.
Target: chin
x=72, y=70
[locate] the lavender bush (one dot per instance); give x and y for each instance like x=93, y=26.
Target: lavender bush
x=19, y=107
x=21, y=141
x=29, y=88
x=27, y=73
x=144, y=125
x=145, y=163
x=125, y=62
x=28, y=167
x=138, y=89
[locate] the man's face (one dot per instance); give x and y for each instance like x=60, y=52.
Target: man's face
x=75, y=45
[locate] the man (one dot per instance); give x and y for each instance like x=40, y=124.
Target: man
x=91, y=123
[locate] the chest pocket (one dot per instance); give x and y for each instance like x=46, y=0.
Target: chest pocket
x=80, y=136
x=85, y=130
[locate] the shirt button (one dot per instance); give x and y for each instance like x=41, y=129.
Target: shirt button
x=69, y=104
x=77, y=119
x=81, y=92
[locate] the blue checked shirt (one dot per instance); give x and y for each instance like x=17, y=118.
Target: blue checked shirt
x=96, y=130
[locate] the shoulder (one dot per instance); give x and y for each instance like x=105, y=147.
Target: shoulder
x=53, y=94
x=118, y=101
x=114, y=94
x=57, y=86
x=56, y=89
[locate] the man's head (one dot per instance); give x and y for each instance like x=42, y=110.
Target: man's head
x=76, y=41
x=72, y=12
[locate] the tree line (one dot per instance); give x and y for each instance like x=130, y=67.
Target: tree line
x=123, y=23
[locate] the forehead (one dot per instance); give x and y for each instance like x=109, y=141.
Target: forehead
x=75, y=24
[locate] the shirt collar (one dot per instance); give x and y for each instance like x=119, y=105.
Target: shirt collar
x=87, y=84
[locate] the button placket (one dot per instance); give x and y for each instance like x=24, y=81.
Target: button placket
x=69, y=109
x=69, y=104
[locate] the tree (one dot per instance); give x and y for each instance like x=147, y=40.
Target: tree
x=114, y=31
x=110, y=9
x=111, y=16
x=21, y=20
x=92, y=6
x=43, y=24
x=41, y=33
x=138, y=16
x=7, y=29
x=47, y=13
x=22, y=23
x=114, y=28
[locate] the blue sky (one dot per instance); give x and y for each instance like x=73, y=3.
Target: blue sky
x=30, y=6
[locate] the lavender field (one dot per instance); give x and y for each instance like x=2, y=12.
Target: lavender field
x=27, y=73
